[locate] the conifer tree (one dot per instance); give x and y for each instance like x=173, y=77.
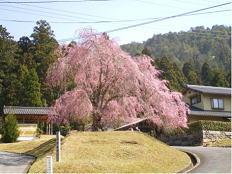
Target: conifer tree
x=191, y=75
x=26, y=56
x=32, y=95
x=147, y=52
x=43, y=51
x=206, y=74
x=10, y=131
x=172, y=73
x=219, y=79
x=8, y=64
x=228, y=78
x=22, y=72
x=44, y=45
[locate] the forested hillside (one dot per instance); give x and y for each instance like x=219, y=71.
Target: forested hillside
x=198, y=45
x=203, y=55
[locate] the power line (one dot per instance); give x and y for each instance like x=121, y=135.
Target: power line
x=76, y=22
x=112, y=21
x=61, y=10
x=65, y=11
x=162, y=19
x=165, y=18
x=64, y=16
x=31, y=13
x=45, y=2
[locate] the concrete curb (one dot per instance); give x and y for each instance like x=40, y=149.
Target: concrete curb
x=195, y=161
x=29, y=164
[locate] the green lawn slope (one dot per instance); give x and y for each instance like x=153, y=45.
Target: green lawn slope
x=114, y=152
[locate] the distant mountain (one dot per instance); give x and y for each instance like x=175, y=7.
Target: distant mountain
x=198, y=45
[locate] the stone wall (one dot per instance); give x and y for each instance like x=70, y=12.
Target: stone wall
x=211, y=136
x=196, y=138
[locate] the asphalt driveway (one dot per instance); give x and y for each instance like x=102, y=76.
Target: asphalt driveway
x=14, y=163
x=212, y=159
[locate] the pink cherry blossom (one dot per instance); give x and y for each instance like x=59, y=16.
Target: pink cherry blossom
x=111, y=87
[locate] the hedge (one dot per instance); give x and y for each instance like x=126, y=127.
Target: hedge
x=209, y=125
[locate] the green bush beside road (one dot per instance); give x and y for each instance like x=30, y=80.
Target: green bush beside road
x=209, y=125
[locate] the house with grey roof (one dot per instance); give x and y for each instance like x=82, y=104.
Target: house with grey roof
x=208, y=103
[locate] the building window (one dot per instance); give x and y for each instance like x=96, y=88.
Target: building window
x=195, y=99
x=217, y=103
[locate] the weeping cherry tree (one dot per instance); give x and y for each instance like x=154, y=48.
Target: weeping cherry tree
x=110, y=86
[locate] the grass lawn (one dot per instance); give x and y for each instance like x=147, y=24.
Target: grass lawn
x=114, y=152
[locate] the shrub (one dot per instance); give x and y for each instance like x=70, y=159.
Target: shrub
x=194, y=127
x=209, y=125
x=167, y=131
x=64, y=130
x=41, y=127
x=78, y=126
x=39, y=132
x=10, y=131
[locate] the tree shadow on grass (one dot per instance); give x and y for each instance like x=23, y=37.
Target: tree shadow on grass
x=42, y=149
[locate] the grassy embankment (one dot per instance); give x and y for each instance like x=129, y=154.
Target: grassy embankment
x=37, y=148
x=106, y=152
x=114, y=152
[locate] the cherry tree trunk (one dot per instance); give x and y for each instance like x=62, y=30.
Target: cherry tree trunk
x=96, y=125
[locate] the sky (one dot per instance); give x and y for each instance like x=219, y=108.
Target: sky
x=111, y=10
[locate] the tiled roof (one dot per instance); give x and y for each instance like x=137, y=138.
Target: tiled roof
x=210, y=89
x=26, y=110
x=131, y=124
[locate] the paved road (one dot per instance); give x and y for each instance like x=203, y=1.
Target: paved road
x=212, y=159
x=14, y=163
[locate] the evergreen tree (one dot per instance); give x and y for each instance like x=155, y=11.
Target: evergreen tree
x=186, y=68
x=32, y=95
x=43, y=51
x=10, y=131
x=180, y=78
x=8, y=66
x=228, y=78
x=22, y=72
x=10, y=90
x=206, y=74
x=43, y=48
x=219, y=79
x=191, y=75
x=147, y=52
x=26, y=56
x=172, y=73
x=193, y=78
